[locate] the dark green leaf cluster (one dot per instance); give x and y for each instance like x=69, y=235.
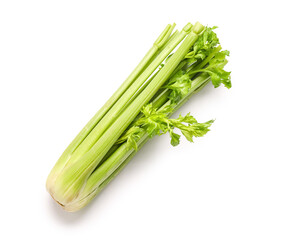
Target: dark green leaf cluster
x=203, y=46
x=216, y=70
x=156, y=122
x=206, y=47
x=180, y=84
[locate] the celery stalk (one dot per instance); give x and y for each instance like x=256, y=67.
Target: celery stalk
x=73, y=177
x=119, y=159
x=125, y=99
x=163, y=38
x=138, y=110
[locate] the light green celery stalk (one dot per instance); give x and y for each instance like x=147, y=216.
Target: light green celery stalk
x=119, y=157
x=73, y=177
x=160, y=42
x=118, y=160
x=126, y=98
x=120, y=104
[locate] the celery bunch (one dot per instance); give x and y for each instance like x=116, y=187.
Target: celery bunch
x=139, y=110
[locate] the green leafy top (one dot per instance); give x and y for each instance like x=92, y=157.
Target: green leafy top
x=206, y=47
x=156, y=122
x=180, y=84
x=216, y=70
x=203, y=46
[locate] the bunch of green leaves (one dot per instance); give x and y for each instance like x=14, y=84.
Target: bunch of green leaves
x=203, y=46
x=216, y=71
x=206, y=46
x=156, y=122
x=179, y=85
x=180, y=82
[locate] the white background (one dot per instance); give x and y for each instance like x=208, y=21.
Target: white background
x=61, y=60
